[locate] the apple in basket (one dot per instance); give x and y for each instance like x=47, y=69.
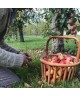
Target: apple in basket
x=47, y=73
x=59, y=72
x=51, y=72
x=70, y=67
x=62, y=62
x=47, y=67
x=67, y=57
x=67, y=61
x=55, y=59
x=52, y=78
x=71, y=62
x=60, y=56
x=49, y=59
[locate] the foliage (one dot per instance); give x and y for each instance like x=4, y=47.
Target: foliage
x=34, y=29
x=59, y=17
x=29, y=15
x=55, y=20
x=22, y=17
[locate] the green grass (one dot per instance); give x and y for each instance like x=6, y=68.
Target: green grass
x=31, y=42
x=32, y=74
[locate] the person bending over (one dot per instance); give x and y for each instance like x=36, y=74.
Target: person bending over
x=9, y=57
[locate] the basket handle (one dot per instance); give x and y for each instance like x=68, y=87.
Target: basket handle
x=65, y=37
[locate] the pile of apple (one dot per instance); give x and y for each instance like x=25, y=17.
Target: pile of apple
x=58, y=58
x=61, y=59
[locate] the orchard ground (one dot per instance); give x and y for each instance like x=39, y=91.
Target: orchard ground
x=35, y=46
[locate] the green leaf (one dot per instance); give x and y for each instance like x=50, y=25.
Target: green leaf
x=70, y=51
x=78, y=28
x=68, y=32
x=74, y=20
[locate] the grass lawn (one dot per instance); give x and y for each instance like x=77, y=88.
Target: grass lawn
x=32, y=74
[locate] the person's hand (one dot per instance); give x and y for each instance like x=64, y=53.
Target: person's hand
x=27, y=58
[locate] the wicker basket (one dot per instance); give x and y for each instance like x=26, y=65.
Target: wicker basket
x=66, y=71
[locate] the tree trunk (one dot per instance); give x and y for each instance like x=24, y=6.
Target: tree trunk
x=61, y=42
x=58, y=44
x=55, y=44
x=21, y=33
x=16, y=36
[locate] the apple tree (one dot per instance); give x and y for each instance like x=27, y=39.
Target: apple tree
x=21, y=17
x=62, y=19
x=27, y=15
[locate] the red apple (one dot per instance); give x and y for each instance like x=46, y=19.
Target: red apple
x=72, y=14
x=47, y=66
x=51, y=73
x=74, y=26
x=45, y=58
x=60, y=56
x=47, y=73
x=74, y=32
x=51, y=78
x=70, y=21
x=62, y=62
x=55, y=59
x=71, y=59
x=58, y=61
x=67, y=57
x=66, y=61
x=49, y=60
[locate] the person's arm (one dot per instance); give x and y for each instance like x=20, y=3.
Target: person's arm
x=9, y=59
x=6, y=47
x=5, y=18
